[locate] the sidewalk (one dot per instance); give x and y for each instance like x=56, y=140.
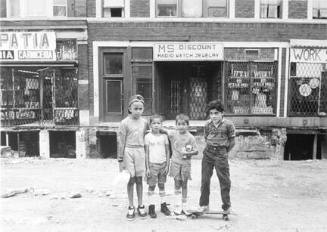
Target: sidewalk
x=266, y=196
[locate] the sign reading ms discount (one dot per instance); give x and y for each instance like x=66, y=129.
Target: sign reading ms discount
x=188, y=51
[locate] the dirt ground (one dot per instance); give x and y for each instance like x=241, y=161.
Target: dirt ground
x=266, y=196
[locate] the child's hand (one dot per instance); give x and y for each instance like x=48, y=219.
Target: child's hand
x=187, y=155
x=148, y=172
x=121, y=166
x=166, y=169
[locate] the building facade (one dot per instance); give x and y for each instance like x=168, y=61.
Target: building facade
x=264, y=59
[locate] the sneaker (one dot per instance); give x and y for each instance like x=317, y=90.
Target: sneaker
x=164, y=209
x=130, y=213
x=178, y=211
x=141, y=211
x=152, y=212
x=203, y=208
x=186, y=213
x=227, y=211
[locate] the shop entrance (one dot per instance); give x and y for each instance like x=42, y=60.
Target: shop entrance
x=186, y=87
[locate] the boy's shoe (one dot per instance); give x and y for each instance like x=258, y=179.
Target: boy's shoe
x=141, y=211
x=164, y=209
x=152, y=212
x=178, y=211
x=227, y=211
x=203, y=209
x=130, y=213
x=186, y=213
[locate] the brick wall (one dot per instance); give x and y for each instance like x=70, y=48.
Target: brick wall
x=91, y=4
x=297, y=9
x=196, y=31
x=244, y=8
x=140, y=8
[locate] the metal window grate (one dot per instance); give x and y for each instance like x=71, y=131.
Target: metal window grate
x=34, y=96
x=250, y=87
x=307, y=90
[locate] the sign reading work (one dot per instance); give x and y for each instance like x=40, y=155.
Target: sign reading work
x=19, y=46
x=185, y=51
x=309, y=55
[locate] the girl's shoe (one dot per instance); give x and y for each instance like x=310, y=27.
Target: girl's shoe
x=131, y=213
x=141, y=211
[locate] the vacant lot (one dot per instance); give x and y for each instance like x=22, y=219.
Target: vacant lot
x=266, y=196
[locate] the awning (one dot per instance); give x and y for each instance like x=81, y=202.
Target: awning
x=308, y=43
x=39, y=64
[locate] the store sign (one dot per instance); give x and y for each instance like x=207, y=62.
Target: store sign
x=25, y=46
x=188, y=51
x=309, y=55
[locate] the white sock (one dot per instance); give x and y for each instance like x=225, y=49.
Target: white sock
x=162, y=195
x=151, y=198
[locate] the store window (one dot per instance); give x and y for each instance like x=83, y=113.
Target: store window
x=27, y=8
x=271, y=8
x=192, y=8
x=250, y=88
x=217, y=8
x=113, y=8
x=308, y=89
x=38, y=95
x=59, y=7
x=319, y=9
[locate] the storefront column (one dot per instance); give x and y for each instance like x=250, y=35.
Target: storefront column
x=324, y=147
x=81, y=143
x=44, y=144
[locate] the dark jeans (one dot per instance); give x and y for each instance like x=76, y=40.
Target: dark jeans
x=217, y=158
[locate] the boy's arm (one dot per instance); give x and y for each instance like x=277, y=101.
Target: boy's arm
x=231, y=137
x=147, y=158
x=206, y=131
x=167, y=148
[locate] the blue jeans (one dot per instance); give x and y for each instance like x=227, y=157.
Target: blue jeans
x=218, y=158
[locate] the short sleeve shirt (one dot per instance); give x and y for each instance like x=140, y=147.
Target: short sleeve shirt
x=157, y=147
x=133, y=131
x=219, y=135
x=178, y=143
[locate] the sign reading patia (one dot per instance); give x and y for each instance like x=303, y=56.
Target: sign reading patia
x=28, y=46
x=193, y=51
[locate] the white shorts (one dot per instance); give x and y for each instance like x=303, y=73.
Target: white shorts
x=134, y=160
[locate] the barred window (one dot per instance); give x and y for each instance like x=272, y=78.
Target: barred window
x=307, y=89
x=250, y=88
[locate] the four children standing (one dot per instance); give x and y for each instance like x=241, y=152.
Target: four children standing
x=149, y=154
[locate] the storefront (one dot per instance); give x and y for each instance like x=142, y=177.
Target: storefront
x=308, y=78
x=39, y=90
x=182, y=77
x=38, y=79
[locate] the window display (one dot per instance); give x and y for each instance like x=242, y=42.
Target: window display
x=250, y=87
x=36, y=95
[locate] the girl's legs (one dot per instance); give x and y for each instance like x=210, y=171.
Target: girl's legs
x=139, y=192
x=130, y=191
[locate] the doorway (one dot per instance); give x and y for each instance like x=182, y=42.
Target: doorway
x=301, y=147
x=187, y=87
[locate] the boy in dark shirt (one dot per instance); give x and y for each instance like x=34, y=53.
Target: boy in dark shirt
x=219, y=134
